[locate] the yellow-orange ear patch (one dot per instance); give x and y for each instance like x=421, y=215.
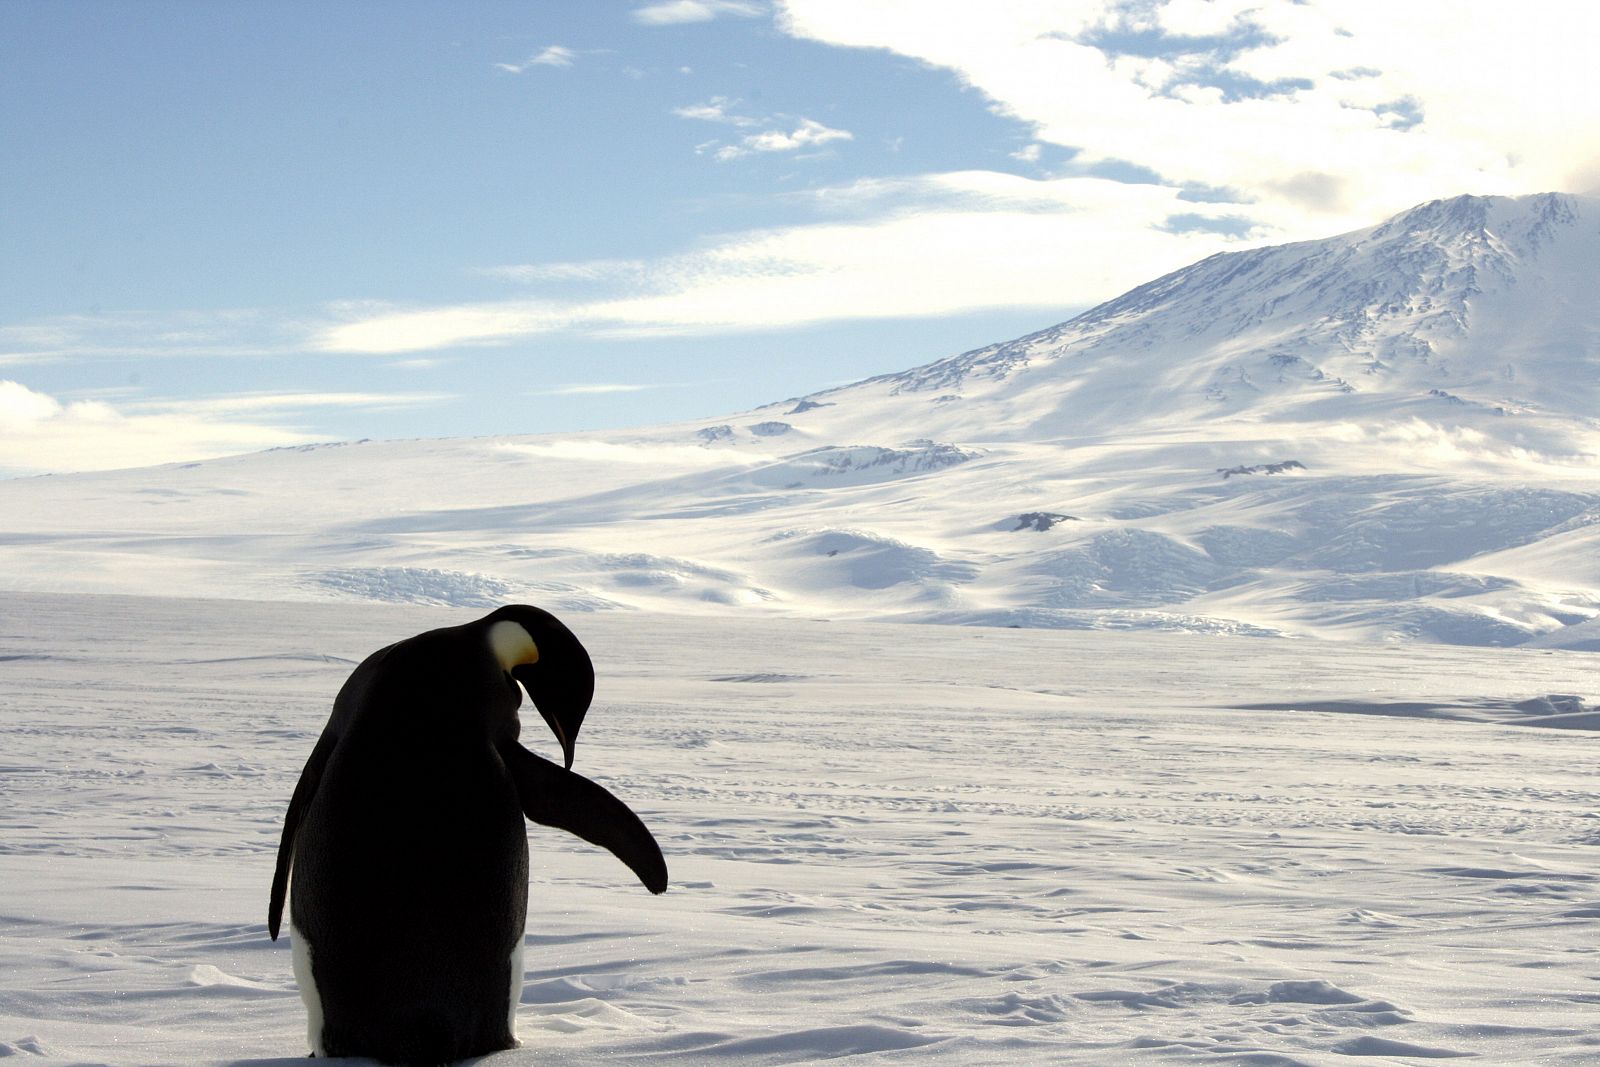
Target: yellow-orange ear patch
x=512, y=644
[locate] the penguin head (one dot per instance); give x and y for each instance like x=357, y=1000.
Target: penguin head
x=534, y=647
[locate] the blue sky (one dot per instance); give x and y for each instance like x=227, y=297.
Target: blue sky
x=230, y=226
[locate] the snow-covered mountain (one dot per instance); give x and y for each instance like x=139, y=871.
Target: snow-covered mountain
x=1389, y=434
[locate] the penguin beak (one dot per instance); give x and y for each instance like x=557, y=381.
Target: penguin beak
x=561, y=697
x=568, y=745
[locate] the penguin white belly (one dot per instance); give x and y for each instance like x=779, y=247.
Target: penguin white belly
x=300, y=951
x=515, y=997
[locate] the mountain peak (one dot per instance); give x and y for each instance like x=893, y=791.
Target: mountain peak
x=1471, y=295
x=1523, y=219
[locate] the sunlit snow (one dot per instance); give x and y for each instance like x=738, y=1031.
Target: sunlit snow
x=943, y=844
x=1221, y=766
x=1388, y=435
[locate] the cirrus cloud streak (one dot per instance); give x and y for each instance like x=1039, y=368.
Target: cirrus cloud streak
x=933, y=246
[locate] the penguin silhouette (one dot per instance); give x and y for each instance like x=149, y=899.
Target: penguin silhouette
x=406, y=841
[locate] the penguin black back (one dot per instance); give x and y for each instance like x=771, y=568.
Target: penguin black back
x=407, y=846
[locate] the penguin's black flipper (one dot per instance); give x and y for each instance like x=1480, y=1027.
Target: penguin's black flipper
x=552, y=796
x=304, y=790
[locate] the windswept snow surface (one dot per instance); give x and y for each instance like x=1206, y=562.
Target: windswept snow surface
x=1389, y=435
x=893, y=843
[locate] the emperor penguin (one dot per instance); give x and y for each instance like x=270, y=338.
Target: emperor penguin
x=407, y=846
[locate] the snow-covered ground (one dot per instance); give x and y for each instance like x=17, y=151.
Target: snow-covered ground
x=1389, y=436
x=907, y=843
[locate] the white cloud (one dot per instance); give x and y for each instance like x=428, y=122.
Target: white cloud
x=715, y=110
x=807, y=134
x=21, y=407
x=582, y=271
x=929, y=246
x=389, y=331
x=1337, y=112
x=40, y=433
x=792, y=135
x=594, y=389
x=222, y=333
x=239, y=403
x=675, y=12
x=554, y=56
x=1296, y=119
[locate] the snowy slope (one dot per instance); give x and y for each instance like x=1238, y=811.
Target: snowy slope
x=921, y=844
x=1392, y=434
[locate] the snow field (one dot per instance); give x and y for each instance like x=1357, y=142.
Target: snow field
x=1385, y=436
x=898, y=842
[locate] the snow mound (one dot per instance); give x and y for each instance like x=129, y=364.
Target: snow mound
x=862, y=559
x=770, y=429
x=446, y=588
x=1437, y=525
x=644, y=569
x=713, y=434
x=851, y=465
x=1578, y=637
x=24, y=1046
x=416, y=585
x=1434, y=623
x=1248, y=547
x=644, y=573
x=1033, y=618
x=1123, y=568
x=1401, y=585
